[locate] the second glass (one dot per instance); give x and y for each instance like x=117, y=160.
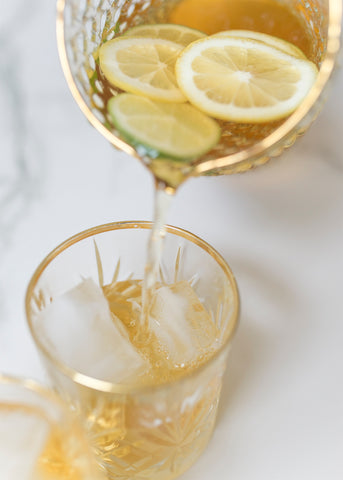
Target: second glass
x=153, y=429
x=40, y=439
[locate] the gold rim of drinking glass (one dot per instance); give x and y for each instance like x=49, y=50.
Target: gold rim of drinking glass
x=32, y=386
x=260, y=149
x=110, y=387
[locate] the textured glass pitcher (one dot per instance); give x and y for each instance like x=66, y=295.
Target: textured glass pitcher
x=83, y=25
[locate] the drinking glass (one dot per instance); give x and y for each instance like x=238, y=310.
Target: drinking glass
x=40, y=439
x=83, y=26
x=155, y=431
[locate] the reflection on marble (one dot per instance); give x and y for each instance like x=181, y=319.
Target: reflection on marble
x=280, y=227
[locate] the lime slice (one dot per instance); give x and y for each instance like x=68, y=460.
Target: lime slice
x=167, y=31
x=243, y=80
x=173, y=130
x=143, y=66
x=276, y=42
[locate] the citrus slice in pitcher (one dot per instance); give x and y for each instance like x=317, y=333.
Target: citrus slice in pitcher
x=173, y=130
x=243, y=80
x=145, y=66
x=276, y=42
x=167, y=31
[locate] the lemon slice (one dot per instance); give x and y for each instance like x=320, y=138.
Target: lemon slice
x=276, y=42
x=168, y=31
x=243, y=80
x=143, y=66
x=174, y=130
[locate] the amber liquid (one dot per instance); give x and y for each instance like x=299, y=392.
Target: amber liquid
x=65, y=453
x=163, y=364
x=266, y=16
x=154, y=433
x=153, y=437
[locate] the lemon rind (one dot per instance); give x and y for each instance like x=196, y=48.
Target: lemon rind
x=134, y=31
x=155, y=149
x=267, y=39
x=229, y=112
x=118, y=79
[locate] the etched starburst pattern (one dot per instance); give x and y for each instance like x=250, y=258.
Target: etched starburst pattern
x=155, y=435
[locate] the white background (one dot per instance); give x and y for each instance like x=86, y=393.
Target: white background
x=280, y=228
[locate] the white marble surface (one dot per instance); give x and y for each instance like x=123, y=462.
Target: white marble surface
x=279, y=227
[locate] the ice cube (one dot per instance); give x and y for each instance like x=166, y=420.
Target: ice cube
x=80, y=330
x=22, y=439
x=180, y=323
